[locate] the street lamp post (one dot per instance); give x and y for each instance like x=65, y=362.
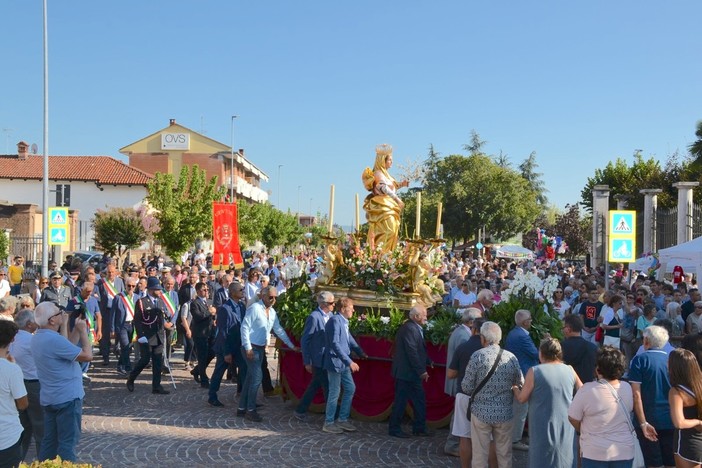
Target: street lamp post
x=279, y=166
x=45, y=182
x=231, y=180
x=311, y=217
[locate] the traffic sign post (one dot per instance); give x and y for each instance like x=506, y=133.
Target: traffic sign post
x=622, y=236
x=58, y=226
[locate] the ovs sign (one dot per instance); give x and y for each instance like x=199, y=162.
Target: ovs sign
x=175, y=141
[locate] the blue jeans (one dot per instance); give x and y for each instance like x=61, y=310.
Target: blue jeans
x=337, y=381
x=61, y=430
x=254, y=375
x=587, y=463
x=319, y=380
x=406, y=390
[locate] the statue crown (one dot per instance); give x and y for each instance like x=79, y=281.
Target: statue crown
x=383, y=149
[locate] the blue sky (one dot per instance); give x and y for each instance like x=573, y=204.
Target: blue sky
x=317, y=84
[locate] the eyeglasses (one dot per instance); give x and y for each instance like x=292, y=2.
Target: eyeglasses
x=272, y=298
x=131, y=285
x=56, y=315
x=44, y=282
x=329, y=303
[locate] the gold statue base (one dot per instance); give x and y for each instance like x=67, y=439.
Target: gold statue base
x=367, y=299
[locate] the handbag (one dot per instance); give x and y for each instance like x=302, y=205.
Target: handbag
x=638, y=454
x=482, y=383
x=599, y=334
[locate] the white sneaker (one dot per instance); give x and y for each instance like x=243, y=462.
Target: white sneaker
x=86, y=377
x=346, y=426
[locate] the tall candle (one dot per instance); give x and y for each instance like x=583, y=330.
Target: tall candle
x=358, y=215
x=438, y=220
x=419, y=213
x=331, y=210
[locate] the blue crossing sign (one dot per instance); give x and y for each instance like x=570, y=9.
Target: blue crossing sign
x=622, y=236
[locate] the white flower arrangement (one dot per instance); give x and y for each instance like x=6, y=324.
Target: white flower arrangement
x=430, y=325
x=529, y=285
x=385, y=320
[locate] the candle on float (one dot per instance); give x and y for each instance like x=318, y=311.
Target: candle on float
x=358, y=215
x=419, y=213
x=438, y=220
x=331, y=210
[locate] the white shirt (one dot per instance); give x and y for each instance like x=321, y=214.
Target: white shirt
x=4, y=288
x=21, y=350
x=11, y=389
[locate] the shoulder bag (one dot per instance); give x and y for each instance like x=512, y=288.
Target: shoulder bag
x=638, y=455
x=482, y=383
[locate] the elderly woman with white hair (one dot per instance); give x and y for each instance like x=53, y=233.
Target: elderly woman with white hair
x=8, y=304
x=673, y=312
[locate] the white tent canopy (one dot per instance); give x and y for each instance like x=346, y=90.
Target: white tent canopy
x=688, y=255
x=516, y=252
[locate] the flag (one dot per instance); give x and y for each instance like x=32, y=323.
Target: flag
x=225, y=232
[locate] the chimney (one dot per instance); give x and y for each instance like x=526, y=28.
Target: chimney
x=172, y=122
x=22, y=150
x=241, y=152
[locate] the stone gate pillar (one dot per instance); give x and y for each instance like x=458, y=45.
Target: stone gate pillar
x=649, y=219
x=685, y=210
x=600, y=218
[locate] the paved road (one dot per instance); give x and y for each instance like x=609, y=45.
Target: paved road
x=141, y=429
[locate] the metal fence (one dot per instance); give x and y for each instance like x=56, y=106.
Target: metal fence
x=666, y=228
x=84, y=236
x=30, y=248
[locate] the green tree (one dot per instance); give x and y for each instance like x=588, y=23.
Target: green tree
x=4, y=245
x=281, y=229
x=477, y=193
x=696, y=147
x=475, y=146
x=626, y=180
x=528, y=170
x=118, y=230
x=503, y=161
x=252, y=218
x=574, y=230
x=184, y=207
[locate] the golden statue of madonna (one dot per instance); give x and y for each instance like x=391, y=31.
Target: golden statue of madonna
x=383, y=207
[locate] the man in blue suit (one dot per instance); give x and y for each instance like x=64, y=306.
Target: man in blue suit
x=123, y=324
x=339, y=366
x=520, y=344
x=222, y=294
x=409, y=368
x=227, y=342
x=313, y=342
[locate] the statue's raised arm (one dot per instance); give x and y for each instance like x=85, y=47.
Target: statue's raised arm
x=383, y=207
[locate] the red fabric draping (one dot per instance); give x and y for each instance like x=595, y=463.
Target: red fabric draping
x=375, y=387
x=225, y=231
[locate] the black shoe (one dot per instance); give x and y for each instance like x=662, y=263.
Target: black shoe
x=215, y=403
x=424, y=433
x=253, y=416
x=121, y=371
x=399, y=434
x=160, y=391
x=105, y=363
x=130, y=385
x=195, y=375
x=240, y=412
x=205, y=384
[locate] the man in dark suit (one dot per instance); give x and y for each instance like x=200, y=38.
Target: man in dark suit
x=222, y=294
x=313, y=343
x=520, y=344
x=409, y=365
x=150, y=322
x=202, y=328
x=109, y=287
x=227, y=343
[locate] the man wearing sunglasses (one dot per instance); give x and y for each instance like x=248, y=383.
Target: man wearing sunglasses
x=56, y=292
x=61, y=394
x=123, y=316
x=256, y=328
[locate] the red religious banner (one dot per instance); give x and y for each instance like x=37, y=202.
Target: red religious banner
x=225, y=231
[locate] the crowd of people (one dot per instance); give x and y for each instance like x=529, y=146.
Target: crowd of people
x=624, y=364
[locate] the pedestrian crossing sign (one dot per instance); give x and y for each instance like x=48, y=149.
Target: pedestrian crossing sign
x=622, y=236
x=58, y=226
x=622, y=222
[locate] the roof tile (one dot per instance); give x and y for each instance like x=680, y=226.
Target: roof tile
x=101, y=169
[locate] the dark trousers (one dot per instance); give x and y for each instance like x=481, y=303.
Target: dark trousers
x=32, y=418
x=205, y=354
x=319, y=380
x=11, y=457
x=188, y=344
x=266, y=381
x=404, y=391
x=221, y=367
x=124, y=340
x=105, y=342
x=169, y=346
x=155, y=355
